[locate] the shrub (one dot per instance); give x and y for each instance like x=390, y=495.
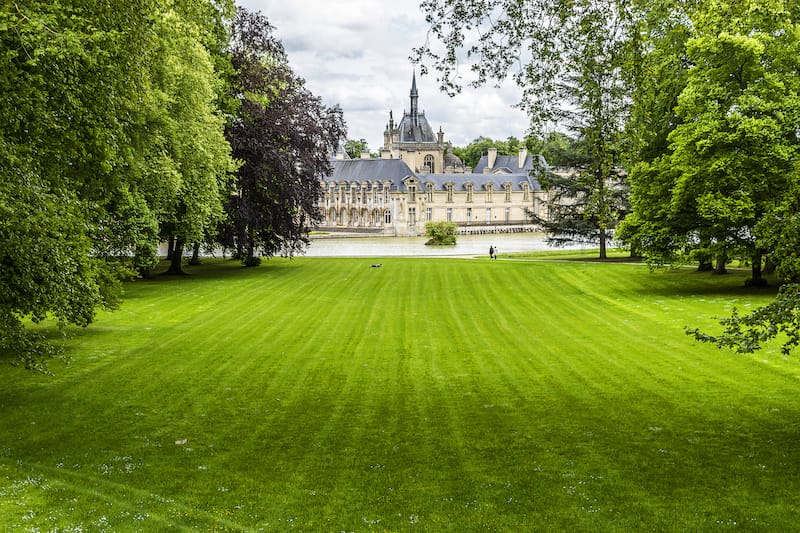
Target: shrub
x=440, y=233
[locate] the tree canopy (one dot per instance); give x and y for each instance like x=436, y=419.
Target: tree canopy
x=472, y=153
x=283, y=136
x=113, y=134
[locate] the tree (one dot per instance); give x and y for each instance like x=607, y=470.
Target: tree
x=283, y=137
x=574, y=72
x=582, y=210
x=559, y=149
x=737, y=152
x=354, y=148
x=193, y=131
x=88, y=166
x=731, y=150
x=67, y=73
x=472, y=153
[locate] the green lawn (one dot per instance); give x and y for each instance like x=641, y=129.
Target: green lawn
x=426, y=395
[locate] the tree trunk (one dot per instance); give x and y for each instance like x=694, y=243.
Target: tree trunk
x=757, y=279
x=170, y=247
x=195, y=260
x=720, y=268
x=175, y=267
x=705, y=265
x=769, y=265
x=603, y=243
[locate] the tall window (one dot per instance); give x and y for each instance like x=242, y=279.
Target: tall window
x=429, y=214
x=469, y=214
x=430, y=193
x=489, y=191
x=507, y=187
x=387, y=217
x=412, y=216
x=450, y=193
x=508, y=215
x=449, y=214
x=428, y=164
x=526, y=191
x=412, y=194
x=470, y=188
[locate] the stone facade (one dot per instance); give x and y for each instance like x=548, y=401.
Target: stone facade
x=415, y=181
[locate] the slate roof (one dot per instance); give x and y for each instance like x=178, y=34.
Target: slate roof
x=394, y=170
x=419, y=131
x=397, y=172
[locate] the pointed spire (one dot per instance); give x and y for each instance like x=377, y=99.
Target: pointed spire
x=414, y=97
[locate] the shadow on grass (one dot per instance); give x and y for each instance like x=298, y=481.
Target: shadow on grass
x=687, y=282
x=215, y=268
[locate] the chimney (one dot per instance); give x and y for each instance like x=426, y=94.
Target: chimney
x=492, y=156
x=386, y=154
x=523, y=155
x=365, y=154
x=340, y=155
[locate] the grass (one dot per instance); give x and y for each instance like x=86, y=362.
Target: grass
x=425, y=395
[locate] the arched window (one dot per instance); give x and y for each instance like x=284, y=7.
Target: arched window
x=387, y=217
x=428, y=164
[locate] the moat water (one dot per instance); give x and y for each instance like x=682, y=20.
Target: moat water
x=466, y=245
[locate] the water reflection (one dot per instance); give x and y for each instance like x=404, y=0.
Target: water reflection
x=325, y=246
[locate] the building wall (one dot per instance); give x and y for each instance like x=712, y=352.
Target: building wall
x=381, y=206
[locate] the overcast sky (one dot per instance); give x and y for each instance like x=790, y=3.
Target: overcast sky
x=355, y=53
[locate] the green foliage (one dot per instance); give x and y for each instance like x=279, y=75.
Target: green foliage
x=472, y=153
x=441, y=233
x=354, y=148
x=748, y=333
x=108, y=128
x=724, y=146
x=559, y=149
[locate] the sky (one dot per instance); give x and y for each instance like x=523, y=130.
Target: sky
x=355, y=53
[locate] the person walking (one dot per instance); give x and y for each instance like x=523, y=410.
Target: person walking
x=491, y=252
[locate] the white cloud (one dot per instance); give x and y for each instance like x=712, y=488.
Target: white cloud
x=355, y=53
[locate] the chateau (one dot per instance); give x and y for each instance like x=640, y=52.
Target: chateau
x=416, y=180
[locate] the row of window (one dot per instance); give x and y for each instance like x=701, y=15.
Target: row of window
x=412, y=216
x=380, y=199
